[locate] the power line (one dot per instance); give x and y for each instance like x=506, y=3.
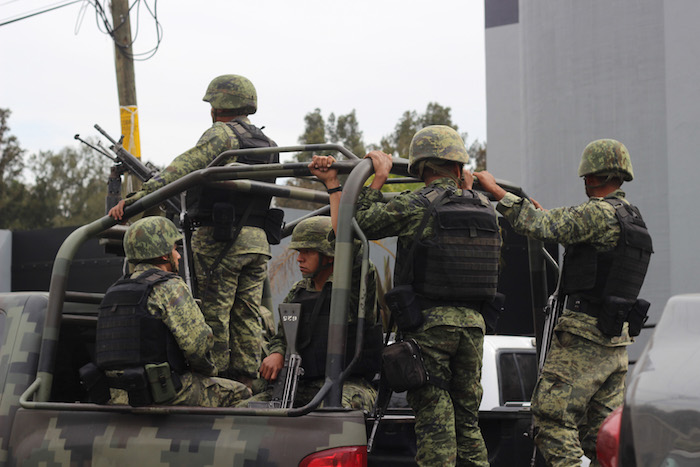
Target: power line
x=53, y=7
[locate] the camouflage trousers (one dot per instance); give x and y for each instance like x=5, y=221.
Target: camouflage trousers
x=447, y=421
x=231, y=299
x=199, y=391
x=581, y=383
x=358, y=393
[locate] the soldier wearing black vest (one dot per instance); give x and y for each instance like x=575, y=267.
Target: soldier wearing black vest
x=231, y=245
x=152, y=341
x=607, y=254
x=448, y=252
x=311, y=239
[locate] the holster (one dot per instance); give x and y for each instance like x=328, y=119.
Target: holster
x=274, y=220
x=223, y=216
x=164, y=383
x=134, y=381
x=404, y=306
x=638, y=316
x=94, y=381
x=491, y=310
x=613, y=314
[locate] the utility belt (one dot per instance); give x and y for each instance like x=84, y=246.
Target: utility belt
x=146, y=385
x=407, y=307
x=226, y=221
x=611, y=313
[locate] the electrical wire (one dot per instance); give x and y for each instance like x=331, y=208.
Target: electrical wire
x=55, y=6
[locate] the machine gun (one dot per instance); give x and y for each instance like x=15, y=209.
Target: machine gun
x=285, y=387
x=124, y=162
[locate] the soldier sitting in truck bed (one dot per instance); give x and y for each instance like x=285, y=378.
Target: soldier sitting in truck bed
x=152, y=341
x=313, y=292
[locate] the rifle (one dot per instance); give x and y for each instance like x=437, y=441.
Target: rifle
x=285, y=387
x=552, y=312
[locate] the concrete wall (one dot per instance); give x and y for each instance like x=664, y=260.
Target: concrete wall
x=5, y=260
x=568, y=72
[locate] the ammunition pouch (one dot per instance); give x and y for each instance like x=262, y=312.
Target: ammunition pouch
x=403, y=367
x=403, y=303
x=94, y=381
x=274, y=220
x=612, y=313
x=134, y=382
x=164, y=383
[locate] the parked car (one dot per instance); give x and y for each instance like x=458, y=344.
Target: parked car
x=659, y=423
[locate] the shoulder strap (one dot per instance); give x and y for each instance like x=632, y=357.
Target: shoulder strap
x=407, y=275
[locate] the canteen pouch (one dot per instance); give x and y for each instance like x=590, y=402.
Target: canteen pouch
x=134, y=381
x=638, y=316
x=613, y=314
x=223, y=215
x=164, y=383
x=94, y=381
x=274, y=220
x=403, y=367
x=403, y=304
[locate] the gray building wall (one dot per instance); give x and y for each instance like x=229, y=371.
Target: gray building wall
x=5, y=260
x=566, y=72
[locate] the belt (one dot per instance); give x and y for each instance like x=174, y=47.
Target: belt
x=583, y=305
x=252, y=221
x=426, y=303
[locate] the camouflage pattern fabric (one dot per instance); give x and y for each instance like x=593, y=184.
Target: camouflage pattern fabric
x=436, y=142
x=447, y=422
x=358, y=394
x=584, y=375
x=150, y=237
x=232, y=92
x=231, y=298
x=173, y=303
x=606, y=156
x=580, y=385
x=451, y=338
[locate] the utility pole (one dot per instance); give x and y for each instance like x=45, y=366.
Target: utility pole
x=126, y=82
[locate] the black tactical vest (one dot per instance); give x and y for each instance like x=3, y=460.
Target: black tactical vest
x=618, y=272
x=201, y=200
x=127, y=334
x=312, y=339
x=460, y=261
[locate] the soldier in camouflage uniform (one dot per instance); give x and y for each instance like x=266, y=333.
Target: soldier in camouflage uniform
x=311, y=239
x=452, y=334
x=150, y=244
x=583, y=377
x=231, y=291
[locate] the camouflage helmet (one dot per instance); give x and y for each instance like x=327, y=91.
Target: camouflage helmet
x=436, y=142
x=312, y=234
x=606, y=156
x=232, y=92
x=150, y=237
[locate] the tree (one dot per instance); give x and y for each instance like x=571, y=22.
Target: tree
x=13, y=193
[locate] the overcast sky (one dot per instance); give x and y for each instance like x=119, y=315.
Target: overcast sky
x=379, y=57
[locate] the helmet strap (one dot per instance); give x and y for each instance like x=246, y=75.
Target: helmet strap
x=441, y=169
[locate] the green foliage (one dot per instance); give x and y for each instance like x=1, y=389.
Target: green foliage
x=67, y=188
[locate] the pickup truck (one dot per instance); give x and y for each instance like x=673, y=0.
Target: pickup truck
x=45, y=337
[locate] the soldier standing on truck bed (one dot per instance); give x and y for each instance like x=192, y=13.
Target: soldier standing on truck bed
x=311, y=239
x=152, y=340
x=231, y=247
x=606, y=258
x=448, y=236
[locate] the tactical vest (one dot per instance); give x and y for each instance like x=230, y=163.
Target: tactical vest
x=459, y=263
x=127, y=334
x=312, y=340
x=201, y=200
x=618, y=272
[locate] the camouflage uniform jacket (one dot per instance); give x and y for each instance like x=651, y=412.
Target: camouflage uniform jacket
x=401, y=217
x=214, y=141
x=278, y=343
x=173, y=303
x=592, y=222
